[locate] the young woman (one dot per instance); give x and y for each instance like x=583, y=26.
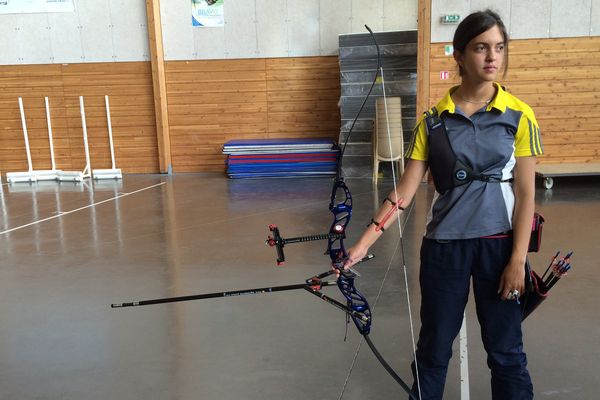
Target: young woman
x=479, y=229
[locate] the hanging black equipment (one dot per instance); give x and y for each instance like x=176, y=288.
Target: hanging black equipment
x=446, y=169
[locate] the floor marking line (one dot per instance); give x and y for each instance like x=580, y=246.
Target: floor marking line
x=63, y=213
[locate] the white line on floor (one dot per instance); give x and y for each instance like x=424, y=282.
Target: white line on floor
x=62, y=214
x=464, y=360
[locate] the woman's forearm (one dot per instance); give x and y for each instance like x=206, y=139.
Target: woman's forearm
x=524, y=188
x=388, y=212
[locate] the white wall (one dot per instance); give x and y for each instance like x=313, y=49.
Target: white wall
x=115, y=30
x=279, y=28
x=107, y=30
x=524, y=19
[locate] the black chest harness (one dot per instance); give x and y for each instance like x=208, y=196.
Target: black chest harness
x=446, y=169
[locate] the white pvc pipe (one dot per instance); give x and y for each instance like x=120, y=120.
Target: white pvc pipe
x=50, y=134
x=110, y=136
x=85, y=137
x=24, y=124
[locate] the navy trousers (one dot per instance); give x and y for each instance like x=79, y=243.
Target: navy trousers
x=446, y=271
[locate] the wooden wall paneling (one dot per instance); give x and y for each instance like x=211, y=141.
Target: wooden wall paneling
x=555, y=45
x=206, y=66
x=211, y=102
x=12, y=147
x=184, y=88
x=215, y=98
x=129, y=87
x=32, y=82
x=303, y=94
x=560, y=79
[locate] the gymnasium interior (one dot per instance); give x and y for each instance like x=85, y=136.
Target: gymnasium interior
x=165, y=149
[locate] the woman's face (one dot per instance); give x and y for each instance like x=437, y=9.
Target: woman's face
x=483, y=57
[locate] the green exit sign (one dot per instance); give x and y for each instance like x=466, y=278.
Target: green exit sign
x=450, y=19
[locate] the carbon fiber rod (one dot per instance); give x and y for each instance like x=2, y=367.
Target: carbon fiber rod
x=243, y=292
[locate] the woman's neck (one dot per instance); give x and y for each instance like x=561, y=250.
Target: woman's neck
x=476, y=93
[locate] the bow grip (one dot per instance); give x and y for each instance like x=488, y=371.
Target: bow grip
x=347, y=273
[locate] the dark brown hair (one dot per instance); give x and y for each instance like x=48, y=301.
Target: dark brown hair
x=475, y=24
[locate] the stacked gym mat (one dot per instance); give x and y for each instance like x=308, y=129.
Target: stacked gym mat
x=281, y=158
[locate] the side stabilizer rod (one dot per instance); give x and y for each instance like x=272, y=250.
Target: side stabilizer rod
x=310, y=283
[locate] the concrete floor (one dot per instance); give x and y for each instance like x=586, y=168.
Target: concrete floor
x=189, y=234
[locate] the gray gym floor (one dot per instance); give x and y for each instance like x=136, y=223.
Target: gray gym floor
x=65, y=261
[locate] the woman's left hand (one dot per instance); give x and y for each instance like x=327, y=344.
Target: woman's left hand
x=513, y=278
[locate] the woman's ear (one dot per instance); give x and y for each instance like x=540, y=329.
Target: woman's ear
x=458, y=57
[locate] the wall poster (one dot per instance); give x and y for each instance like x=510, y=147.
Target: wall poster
x=207, y=13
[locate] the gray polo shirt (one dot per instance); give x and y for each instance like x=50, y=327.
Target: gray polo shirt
x=489, y=141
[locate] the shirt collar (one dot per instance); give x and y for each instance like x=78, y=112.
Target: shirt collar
x=500, y=99
x=498, y=102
